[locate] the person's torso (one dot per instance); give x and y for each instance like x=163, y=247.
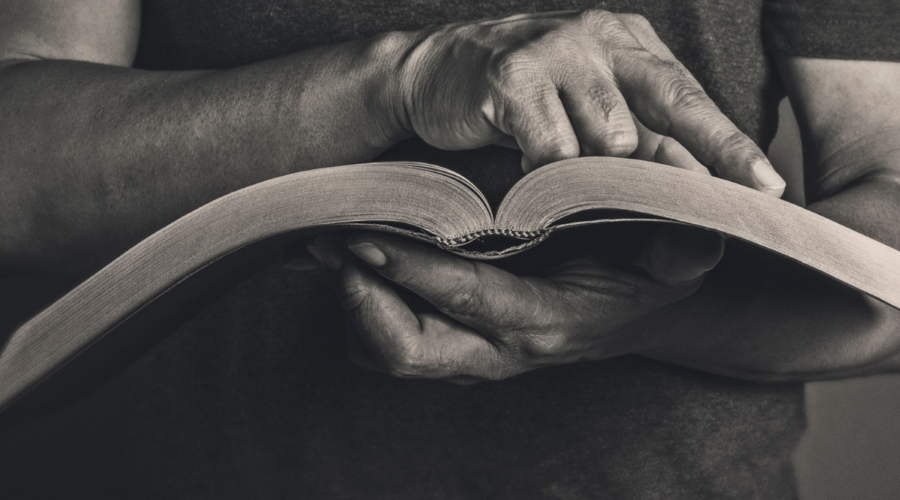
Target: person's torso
x=256, y=398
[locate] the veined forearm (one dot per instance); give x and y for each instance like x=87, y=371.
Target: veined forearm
x=93, y=157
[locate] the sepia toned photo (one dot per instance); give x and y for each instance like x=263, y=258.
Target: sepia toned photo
x=450, y=250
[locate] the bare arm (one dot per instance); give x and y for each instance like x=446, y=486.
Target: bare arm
x=779, y=321
x=95, y=156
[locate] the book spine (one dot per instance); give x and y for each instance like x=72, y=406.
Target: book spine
x=512, y=233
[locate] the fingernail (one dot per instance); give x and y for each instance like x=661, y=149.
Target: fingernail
x=369, y=253
x=314, y=250
x=768, y=178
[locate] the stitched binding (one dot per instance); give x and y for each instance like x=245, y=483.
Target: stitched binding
x=522, y=235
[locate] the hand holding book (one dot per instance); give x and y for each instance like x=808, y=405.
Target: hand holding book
x=123, y=301
x=492, y=324
x=542, y=82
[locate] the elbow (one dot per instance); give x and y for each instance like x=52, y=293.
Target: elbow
x=21, y=245
x=867, y=332
x=861, y=337
x=875, y=338
x=35, y=237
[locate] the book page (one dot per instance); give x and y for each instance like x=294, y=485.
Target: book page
x=556, y=191
x=436, y=200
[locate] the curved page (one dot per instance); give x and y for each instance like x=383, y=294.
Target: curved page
x=568, y=187
x=431, y=198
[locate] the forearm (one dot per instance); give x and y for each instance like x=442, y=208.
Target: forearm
x=768, y=319
x=93, y=157
x=761, y=317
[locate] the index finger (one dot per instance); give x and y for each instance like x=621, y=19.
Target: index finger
x=668, y=100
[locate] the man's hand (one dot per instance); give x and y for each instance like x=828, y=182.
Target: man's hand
x=560, y=85
x=492, y=324
x=163, y=143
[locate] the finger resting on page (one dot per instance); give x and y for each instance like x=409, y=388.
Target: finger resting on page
x=669, y=101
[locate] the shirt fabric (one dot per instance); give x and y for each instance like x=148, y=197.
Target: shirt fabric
x=256, y=398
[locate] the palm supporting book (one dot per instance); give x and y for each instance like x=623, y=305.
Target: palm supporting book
x=116, y=311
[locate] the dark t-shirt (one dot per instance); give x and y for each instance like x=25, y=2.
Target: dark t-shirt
x=255, y=397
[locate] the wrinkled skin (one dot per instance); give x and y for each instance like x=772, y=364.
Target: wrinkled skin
x=490, y=324
x=560, y=85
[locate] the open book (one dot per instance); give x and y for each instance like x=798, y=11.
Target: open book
x=116, y=313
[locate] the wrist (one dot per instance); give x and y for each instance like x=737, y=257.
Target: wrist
x=337, y=104
x=389, y=83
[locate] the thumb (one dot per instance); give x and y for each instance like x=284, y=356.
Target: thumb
x=680, y=255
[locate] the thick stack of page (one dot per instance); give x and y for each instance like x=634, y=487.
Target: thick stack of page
x=112, y=316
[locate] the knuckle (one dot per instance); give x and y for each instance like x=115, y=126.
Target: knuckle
x=602, y=99
x=639, y=27
x=734, y=139
x=407, y=362
x=674, y=67
x=635, y=20
x=678, y=98
x=542, y=346
x=682, y=94
x=465, y=303
x=609, y=29
x=676, y=87
x=463, y=298
x=618, y=142
x=511, y=69
x=597, y=18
